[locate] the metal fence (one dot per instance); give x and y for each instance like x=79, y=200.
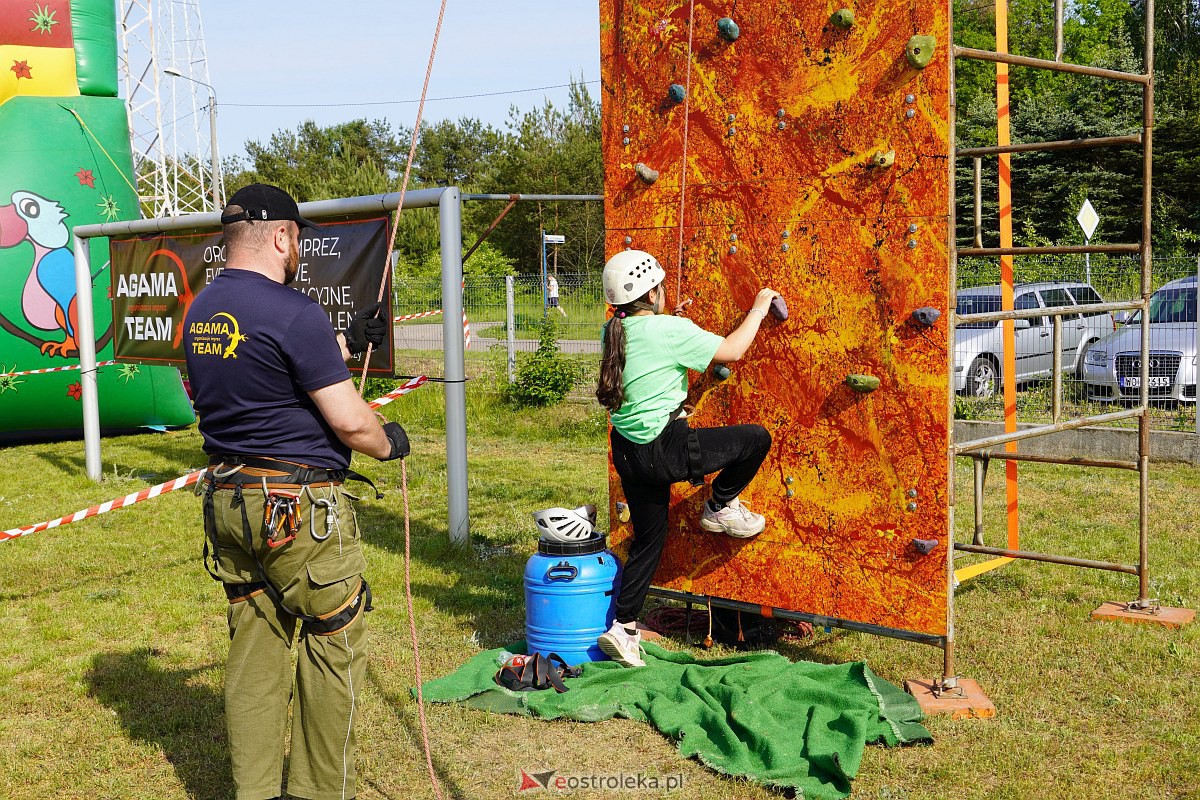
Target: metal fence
x=504, y=316
x=1099, y=355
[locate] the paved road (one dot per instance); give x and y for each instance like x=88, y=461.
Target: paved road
x=428, y=336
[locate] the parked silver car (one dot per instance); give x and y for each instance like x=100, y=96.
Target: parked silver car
x=979, y=346
x=1112, y=366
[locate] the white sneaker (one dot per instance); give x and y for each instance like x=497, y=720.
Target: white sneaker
x=621, y=647
x=734, y=519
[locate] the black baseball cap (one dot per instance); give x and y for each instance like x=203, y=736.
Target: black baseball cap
x=262, y=201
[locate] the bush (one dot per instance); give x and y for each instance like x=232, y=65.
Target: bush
x=545, y=378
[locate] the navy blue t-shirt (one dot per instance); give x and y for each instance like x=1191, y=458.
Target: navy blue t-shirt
x=254, y=349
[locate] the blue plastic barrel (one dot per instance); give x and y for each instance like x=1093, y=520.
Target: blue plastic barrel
x=570, y=598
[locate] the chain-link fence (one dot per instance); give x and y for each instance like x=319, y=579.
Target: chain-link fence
x=1100, y=352
x=504, y=317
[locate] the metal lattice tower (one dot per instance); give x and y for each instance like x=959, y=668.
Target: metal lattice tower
x=169, y=116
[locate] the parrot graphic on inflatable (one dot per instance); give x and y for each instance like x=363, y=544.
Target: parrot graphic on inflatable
x=48, y=298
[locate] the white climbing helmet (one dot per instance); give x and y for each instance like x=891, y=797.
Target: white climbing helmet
x=630, y=274
x=566, y=524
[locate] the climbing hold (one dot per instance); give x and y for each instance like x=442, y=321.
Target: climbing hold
x=843, y=19
x=645, y=173
x=926, y=316
x=882, y=159
x=778, y=308
x=919, y=51
x=623, y=512
x=925, y=546
x=720, y=371
x=862, y=383
x=677, y=93
x=728, y=29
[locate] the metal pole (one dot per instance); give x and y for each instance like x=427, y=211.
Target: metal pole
x=1058, y=30
x=1087, y=259
x=1143, y=600
x=977, y=466
x=948, y=677
x=450, y=230
x=978, y=202
x=218, y=203
x=545, y=299
x=1196, y=369
x=1069, y=561
x=511, y=321
x=85, y=341
x=1056, y=368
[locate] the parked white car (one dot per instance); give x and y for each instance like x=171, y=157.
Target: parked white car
x=979, y=346
x=1112, y=366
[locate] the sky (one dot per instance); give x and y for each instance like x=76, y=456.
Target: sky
x=304, y=56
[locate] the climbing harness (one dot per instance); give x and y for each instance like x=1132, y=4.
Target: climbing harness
x=537, y=672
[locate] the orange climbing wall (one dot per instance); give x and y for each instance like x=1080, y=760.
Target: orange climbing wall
x=783, y=124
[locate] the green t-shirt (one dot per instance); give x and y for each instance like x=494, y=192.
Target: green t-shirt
x=659, y=350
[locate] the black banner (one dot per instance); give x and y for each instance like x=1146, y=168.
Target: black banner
x=155, y=279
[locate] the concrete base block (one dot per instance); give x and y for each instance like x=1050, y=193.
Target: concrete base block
x=1165, y=616
x=973, y=704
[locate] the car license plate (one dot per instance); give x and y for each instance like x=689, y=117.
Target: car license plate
x=1156, y=382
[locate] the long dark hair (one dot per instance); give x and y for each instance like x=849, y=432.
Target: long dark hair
x=610, y=390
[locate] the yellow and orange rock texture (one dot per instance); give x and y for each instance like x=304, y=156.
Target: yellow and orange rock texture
x=816, y=164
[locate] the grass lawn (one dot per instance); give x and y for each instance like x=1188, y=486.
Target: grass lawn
x=114, y=637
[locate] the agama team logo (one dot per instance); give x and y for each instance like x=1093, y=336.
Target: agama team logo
x=220, y=335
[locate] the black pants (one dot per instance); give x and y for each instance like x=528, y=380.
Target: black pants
x=647, y=472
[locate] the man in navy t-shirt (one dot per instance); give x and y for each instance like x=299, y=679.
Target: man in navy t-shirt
x=280, y=416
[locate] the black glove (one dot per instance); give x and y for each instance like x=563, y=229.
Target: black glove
x=366, y=327
x=399, y=440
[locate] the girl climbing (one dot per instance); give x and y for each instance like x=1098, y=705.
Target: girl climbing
x=643, y=384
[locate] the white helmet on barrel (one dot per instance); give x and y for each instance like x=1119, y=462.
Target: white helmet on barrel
x=629, y=275
x=565, y=524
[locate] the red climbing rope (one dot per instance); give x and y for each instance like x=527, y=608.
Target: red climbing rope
x=412, y=620
x=412, y=152
x=687, y=99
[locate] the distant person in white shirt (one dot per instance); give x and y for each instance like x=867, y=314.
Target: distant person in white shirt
x=552, y=294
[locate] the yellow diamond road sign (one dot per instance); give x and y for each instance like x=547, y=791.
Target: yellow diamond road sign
x=1088, y=219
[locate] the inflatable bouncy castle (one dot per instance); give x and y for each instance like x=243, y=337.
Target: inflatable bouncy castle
x=64, y=161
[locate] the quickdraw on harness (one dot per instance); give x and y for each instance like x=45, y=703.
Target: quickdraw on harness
x=281, y=522
x=537, y=672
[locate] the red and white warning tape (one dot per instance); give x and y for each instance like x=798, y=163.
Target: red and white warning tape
x=407, y=317
x=52, y=369
x=399, y=391
x=168, y=486
x=120, y=502
x=466, y=323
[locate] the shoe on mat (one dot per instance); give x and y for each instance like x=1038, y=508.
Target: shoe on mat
x=734, y=520
x=621, y=647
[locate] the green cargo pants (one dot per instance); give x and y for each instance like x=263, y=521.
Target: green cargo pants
x=315, y=578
